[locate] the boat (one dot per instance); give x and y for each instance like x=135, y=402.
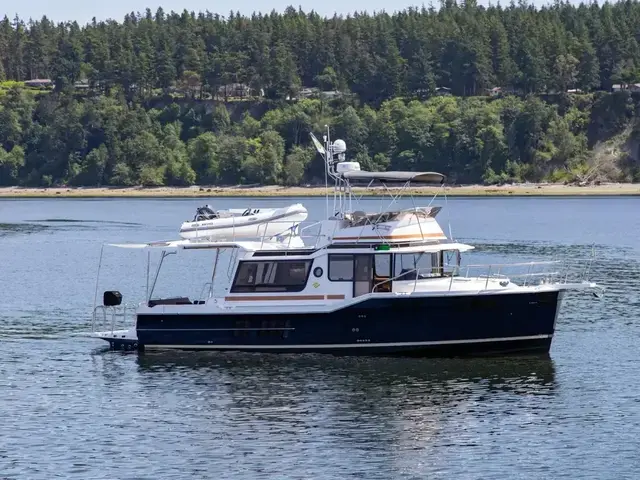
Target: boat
x=388, y=283
x=209, y=224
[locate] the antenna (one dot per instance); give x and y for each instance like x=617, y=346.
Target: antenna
x=333, y=154
x=326, y=171
x=323, y=153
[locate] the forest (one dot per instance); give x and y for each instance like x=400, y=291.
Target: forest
x=483, y=94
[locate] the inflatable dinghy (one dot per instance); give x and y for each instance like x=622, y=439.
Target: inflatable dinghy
x=236, y=224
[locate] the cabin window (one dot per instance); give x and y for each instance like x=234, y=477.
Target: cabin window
x=276, y=276
x=340, y=268
x=382, y=265
x=409, y=266
x=450, y=262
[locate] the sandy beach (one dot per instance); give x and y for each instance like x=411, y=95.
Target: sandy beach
x=277, y=191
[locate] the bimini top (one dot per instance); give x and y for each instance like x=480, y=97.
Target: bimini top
x=432, y=178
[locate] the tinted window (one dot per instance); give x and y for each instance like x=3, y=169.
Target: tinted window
x=408, y=265
x=341, y=268
x=280, y=276
x=383, y=265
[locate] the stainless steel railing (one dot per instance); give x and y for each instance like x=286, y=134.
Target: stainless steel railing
x=291, y=230
x=496, y=272
x=110, y=319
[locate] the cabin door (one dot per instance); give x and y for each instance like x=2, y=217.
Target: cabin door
x=363, y=275
x=382, y=273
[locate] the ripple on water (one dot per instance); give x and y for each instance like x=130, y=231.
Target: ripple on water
x=71, y=409
x=260, y=414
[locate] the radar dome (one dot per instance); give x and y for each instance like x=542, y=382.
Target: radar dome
x=339, y=146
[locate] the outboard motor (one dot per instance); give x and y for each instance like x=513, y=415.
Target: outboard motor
x=205, y=213
x=111, y=298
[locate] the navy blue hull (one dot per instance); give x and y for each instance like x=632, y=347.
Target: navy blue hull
x=419, y=326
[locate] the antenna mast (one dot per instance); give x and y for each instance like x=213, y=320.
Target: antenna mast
x=327, y=159
x=332, y=168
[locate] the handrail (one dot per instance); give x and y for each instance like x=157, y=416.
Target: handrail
x=439, y=272
x=209, y=286
x=260, y=232
x=119, y=311
x=263, y=237
x=522, y=264
x=309, y=226
x=417, y=270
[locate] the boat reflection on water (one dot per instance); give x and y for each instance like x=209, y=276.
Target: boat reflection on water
x=396, y=404
x=370, y=376
x=375, y=415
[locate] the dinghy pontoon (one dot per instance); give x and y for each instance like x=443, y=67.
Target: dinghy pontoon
x=233, y=224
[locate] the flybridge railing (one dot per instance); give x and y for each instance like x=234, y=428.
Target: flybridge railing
x=261, y=233
x=312, y=233
x=535, y=273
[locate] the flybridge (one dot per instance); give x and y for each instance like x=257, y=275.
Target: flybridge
x=345, y=174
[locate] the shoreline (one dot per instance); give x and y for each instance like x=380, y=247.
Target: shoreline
x=532, y=189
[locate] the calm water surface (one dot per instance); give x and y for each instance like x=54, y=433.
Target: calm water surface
x=71, y=409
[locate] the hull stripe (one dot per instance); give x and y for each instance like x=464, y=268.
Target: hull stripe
x=288, y=298
x=350, y=345
x=395, y=237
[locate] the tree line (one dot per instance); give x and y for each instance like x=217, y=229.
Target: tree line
x=115, y=134
x=464, y=47
x=58, y=139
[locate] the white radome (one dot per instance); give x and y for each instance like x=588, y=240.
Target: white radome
x=347, y=167
x=339, y=146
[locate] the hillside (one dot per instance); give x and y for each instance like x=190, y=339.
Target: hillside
x=482, y=94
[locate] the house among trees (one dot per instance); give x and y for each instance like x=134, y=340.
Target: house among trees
x=39, y=83
x=309, y=92
x=234, y=90
x=632, y=87
x=331, y=94
x=384, y=61
x=315, y=92
x=502, y=91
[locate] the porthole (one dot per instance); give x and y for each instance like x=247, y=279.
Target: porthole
x=317, y=272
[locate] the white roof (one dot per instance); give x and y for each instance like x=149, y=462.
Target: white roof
x=189, y=245
x=257, y=246
x=428, y=248
x=395, y=177
x=434, y=248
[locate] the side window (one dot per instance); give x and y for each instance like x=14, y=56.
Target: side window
x=282, y=276
x=422, y=265
x=382, y=265
x=340, y=268
x=246, y=274
x=450, y=262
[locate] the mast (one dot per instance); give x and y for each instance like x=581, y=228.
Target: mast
x=333, y=154
x=326, y=172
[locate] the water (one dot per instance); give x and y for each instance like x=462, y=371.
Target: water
x=71, y=409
